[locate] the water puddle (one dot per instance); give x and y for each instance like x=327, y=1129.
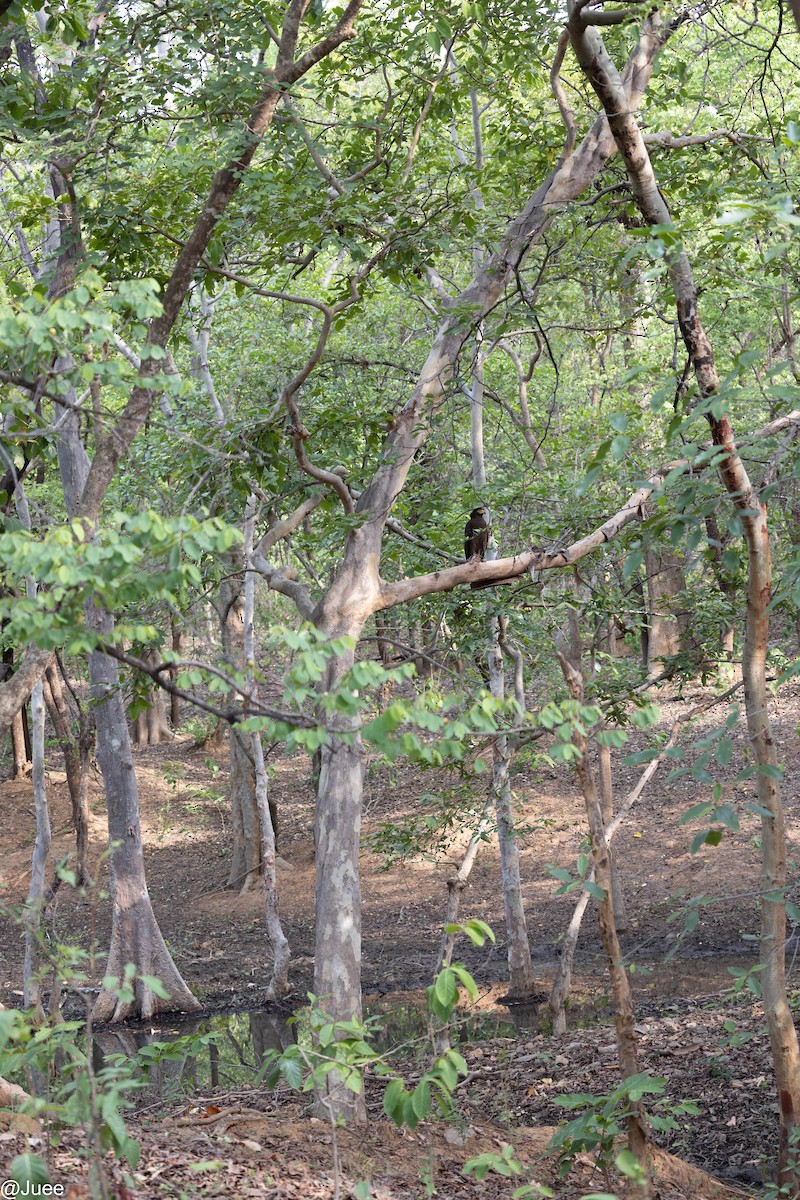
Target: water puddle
x=225, y=1050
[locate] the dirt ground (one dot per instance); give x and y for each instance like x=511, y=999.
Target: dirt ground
x=218, y=940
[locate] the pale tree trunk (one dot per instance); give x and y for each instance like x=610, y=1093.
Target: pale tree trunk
x=76, y=751
x=337, y=962
x=34, y=905
x=728, y=590
x=246, y=832
x=278, y=984
x=358, y=591
x=559, y=993
x=385, y=651
x=624, y=1018
x=520, y=967
x=175, y=701
x=563, y=976
x=458, y=881
x=135, y=935
x=606, y=776
x=41, y=847
x=602, y=74
x=19, y=746
x=666, y=626
x=150, y=726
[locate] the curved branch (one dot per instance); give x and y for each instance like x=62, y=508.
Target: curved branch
x=509, y=570
x=567, y=115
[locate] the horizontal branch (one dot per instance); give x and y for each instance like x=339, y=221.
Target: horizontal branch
x=508, y=570
x=671, y=142
x=159, y=673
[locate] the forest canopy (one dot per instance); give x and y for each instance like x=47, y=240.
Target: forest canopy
x=385, y=382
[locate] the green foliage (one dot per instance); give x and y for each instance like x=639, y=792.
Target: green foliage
x=503, y=1163
x=325, y=1045
x=78, y=1096
x=137, y=559
x=603, y=1118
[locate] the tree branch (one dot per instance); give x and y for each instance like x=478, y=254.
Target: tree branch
x=507, y=570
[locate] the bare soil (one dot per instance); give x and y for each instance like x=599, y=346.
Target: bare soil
x=218, y=940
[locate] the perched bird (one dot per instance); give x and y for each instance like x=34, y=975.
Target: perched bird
x=476, y=534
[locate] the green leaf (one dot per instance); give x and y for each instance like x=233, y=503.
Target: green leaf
x=393, y=1100
x=156, y=986
x=697, y=810
x=421, y=1099
x=28, y=1170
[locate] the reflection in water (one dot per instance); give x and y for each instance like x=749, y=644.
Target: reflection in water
x=192, y=1056
x=226, y=1051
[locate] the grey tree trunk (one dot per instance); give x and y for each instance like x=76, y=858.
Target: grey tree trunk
x=358, y=591
x=337, y=962
x=278, y=985
x=666, y=622
x=34, y=905
x=19, y=747
x=520, y=967
x=606, y=776
x=456, y=884
x=246, y=849
x=76, y=751
x=135, y=935
x=624, y=1017
x=150, y=726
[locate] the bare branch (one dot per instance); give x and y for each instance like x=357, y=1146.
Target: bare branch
x=159, y=673
x=672, y=142
x=284, y=580
x=567, y=114
x=507, y=570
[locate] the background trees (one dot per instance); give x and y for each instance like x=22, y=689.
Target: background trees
x=288, y=262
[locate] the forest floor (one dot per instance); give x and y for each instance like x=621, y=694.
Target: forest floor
x=708, y=1042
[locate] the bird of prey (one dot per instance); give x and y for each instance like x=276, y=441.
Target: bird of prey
x=476, y=534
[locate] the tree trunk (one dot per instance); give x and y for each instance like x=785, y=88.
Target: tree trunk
x=246, y=848
x=520, y=967
x=150, y=726
x=337, y=962
x=666, y=625
x=559, y=993
x=34, y=905
x=456, y=884
x=19, y=748
x=603, y=76
x=728, y=590
x=175, y=701
x=357, y=591
x=278, y=985
x=76, y=753
x=36, y=892
x=624, y=1018
x=135, y=935
x=245, y=823
x=606, y=775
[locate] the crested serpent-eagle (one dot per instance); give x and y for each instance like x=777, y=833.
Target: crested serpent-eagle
x=476, y=535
